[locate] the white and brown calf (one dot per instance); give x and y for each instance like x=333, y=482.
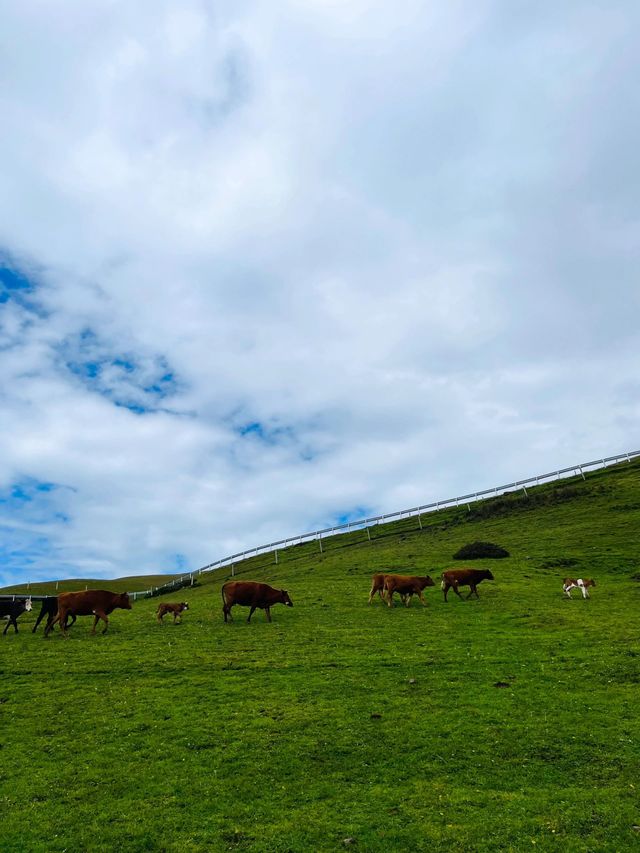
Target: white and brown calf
x=582, y=584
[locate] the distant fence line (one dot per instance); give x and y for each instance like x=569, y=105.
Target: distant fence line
x=366, y=523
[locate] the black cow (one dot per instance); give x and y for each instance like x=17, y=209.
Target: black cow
x=12, y=608
x=49, y=609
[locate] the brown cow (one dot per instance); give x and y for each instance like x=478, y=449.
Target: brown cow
x=406, y=586
x=90, y=602
x=168, y=607
x=252, y=594
x=454, y=578
x=582, y=584
x=377, y=585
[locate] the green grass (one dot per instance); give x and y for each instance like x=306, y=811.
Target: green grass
x=341, y=720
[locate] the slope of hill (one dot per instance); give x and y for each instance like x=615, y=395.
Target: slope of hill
x=505, y=723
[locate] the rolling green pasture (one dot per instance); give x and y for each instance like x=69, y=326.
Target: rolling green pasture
x=507, y=723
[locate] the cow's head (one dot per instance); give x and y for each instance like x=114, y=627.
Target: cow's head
x=184, y=605
x=124, y=601
x=592, y=582
x=429, y=581
x=285, y=598
x=488, y=575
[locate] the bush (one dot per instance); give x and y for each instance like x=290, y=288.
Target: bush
x=479, y=550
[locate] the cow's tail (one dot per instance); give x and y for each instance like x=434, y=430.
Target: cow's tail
x=441, y=581
x=224, y=600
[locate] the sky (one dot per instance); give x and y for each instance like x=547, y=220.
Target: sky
x=267, y=266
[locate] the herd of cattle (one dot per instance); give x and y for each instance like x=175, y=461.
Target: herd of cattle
x=99, y=603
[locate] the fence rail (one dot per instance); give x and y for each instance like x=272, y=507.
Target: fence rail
x=365, y=523
x=435, y=506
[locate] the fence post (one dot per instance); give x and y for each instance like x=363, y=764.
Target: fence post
x=524, y=489
x=320, y=543
x=582, y=473
x=276, y=553
x=420, y=520
x=368, y=534
x=233, y=570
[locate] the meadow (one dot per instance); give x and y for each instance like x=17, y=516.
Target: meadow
x=505, y=723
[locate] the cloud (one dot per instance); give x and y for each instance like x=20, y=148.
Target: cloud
x=264, y=268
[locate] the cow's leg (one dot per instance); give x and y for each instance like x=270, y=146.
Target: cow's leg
x=585, y=593
x=62, y=617
x=267, y=611
x=7, y=626
x=406, y=600
x=422, y=598
x=252, y=611
x=389, y=599
x=446, y=589
x=372, y=593
x=51, y=623
x=159, y=617
x=457, y=591
x=472, y=589
x=39, y=620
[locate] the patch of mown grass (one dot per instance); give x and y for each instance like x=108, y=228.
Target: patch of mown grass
x=341, y=720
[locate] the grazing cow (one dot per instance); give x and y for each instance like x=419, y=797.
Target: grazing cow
x=49, y=609
x=11, y=608
x=454, y=578
x=406, y=586
x=252, y=594
x=90, y=602
x=176, y=609
x=582, y=584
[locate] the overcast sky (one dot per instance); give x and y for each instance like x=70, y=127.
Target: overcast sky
x=271, y=265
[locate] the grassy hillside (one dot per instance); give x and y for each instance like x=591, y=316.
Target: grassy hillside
x=508, y=723
x=133, y=583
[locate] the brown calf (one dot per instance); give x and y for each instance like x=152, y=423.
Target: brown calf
x=454, y=578
x=89, y=602
x=168, y=607
x=582, y=584
x=252, y=594
x=406, y=586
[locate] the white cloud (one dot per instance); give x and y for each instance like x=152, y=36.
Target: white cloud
x=342, y=255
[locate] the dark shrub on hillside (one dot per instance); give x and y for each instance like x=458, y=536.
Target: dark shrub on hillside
x=478, y=550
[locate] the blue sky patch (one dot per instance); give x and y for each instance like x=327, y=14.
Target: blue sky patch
x=354, y=514
x=139, y=383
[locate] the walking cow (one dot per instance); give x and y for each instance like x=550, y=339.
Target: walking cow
x=168, y=607
x=406, y=586
x=454, y=578
x=98, y=603
x=49, y=609
x=582, y=584
x=11, y=608
x=252, y=594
